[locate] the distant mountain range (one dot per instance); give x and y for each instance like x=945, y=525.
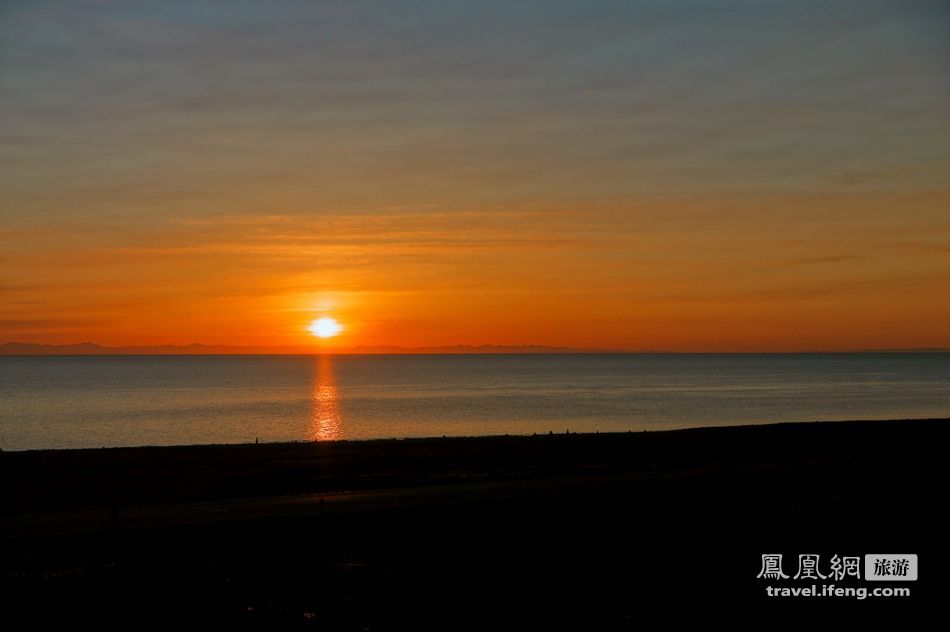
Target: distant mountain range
x=89, y=348
x=911, y=350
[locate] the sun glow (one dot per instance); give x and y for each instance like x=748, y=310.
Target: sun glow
x=325, y=327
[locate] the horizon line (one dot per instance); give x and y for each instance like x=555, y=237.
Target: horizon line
x=16, y=348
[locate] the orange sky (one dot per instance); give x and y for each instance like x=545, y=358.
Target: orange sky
x=687, y=183
x=674, y=274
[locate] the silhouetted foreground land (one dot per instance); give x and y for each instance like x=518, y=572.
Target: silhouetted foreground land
x=563, y=531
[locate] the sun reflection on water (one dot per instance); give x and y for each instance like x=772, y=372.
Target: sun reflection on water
x=326, y=419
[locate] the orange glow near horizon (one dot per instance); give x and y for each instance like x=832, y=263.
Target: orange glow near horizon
x=607, y=277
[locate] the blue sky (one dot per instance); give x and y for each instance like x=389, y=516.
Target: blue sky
x=616, y=98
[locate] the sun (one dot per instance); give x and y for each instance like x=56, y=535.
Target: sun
x=325, y=327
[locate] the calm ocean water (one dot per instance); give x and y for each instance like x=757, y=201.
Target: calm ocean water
x=60, y=402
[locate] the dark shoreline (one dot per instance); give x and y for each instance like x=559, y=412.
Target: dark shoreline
x=66, y=479
x=389, y=534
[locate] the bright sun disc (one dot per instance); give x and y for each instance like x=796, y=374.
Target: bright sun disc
x=325, y=327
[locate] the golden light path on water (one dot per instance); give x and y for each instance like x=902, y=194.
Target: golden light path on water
x=326, y=419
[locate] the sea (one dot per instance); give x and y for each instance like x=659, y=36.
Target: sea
x=108, y=401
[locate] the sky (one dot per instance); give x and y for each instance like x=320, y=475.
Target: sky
x=668, y=175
